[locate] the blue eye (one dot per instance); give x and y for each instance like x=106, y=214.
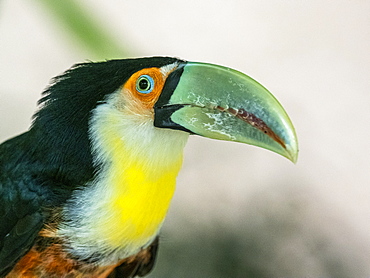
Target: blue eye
x=145, y=84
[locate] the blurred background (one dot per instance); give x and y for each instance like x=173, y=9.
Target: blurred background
x=238, y=211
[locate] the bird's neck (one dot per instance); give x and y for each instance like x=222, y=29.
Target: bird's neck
x=126, y=204
x=139, y=181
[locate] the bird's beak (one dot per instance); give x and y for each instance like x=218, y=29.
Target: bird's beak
x=221, y=103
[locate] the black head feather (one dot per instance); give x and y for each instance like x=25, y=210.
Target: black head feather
x=60, y=127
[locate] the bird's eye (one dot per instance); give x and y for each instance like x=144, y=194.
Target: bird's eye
x=145, y=84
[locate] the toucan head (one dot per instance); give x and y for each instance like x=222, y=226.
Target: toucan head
x=167, y=94
x=214, y=102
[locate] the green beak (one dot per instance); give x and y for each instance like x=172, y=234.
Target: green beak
x=222, y=103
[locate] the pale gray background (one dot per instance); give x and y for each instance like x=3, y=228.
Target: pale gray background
x=271, y=218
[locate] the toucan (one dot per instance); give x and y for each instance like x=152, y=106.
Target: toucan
x=84, y=192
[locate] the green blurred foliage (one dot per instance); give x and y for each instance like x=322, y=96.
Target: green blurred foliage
x=85, y=29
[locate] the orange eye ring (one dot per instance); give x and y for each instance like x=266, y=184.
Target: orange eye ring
x=145, y=85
